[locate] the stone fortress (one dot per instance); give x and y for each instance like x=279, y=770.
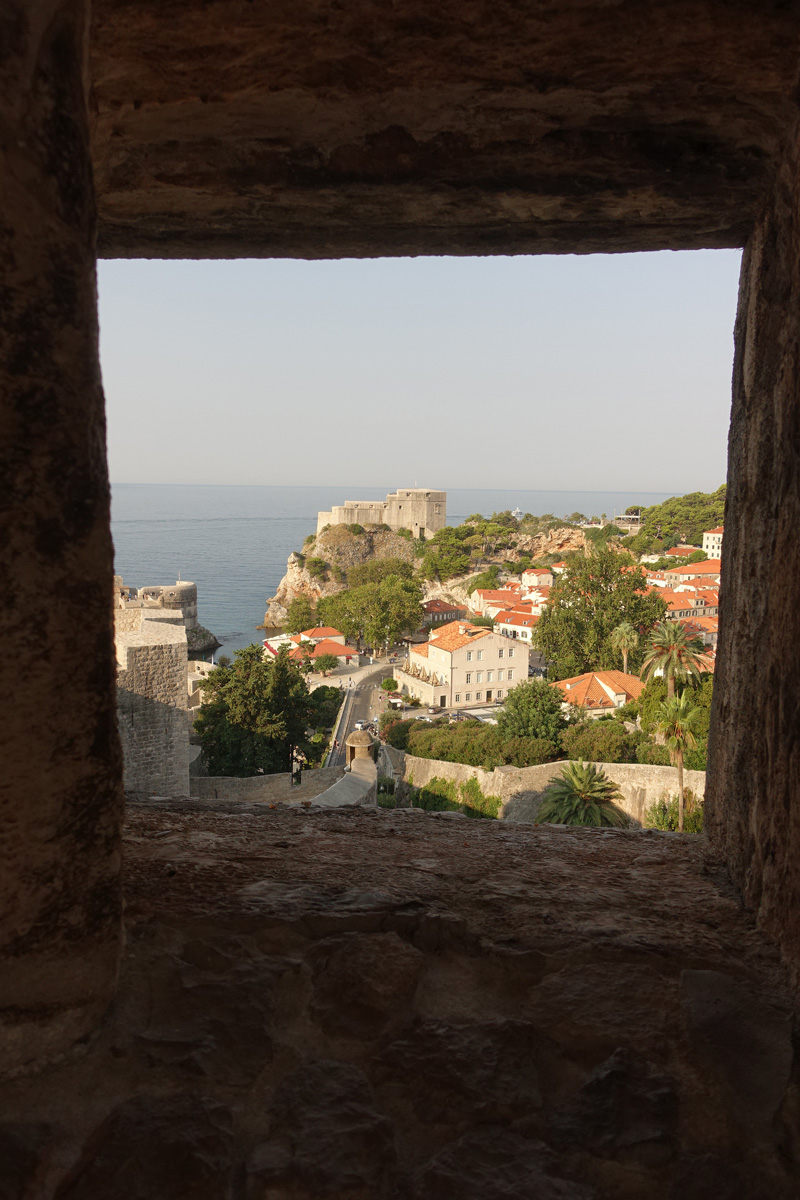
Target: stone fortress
x=418, y=509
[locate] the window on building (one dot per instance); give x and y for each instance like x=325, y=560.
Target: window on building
x=500, y=675
x=480, y=655
x=510, y=676
x=468, y=697
x=499, y=653
x=458, y=697
x=511, y=652
x=469, y=656
x=489, y=676
x=469, y=677
x=479, y=695
x=479, y=677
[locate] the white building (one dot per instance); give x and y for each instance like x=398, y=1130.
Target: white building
x=463, y=664
x=712, y=541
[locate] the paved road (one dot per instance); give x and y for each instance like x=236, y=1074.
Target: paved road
x=363, y=703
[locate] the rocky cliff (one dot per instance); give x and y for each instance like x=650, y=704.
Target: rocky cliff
x=321, y=569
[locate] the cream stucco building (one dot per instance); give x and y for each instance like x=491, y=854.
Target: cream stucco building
x=461, y=665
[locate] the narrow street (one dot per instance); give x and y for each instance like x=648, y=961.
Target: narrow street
x=362, y=703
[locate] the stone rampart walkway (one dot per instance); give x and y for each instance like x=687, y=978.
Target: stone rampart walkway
x=378, y=1005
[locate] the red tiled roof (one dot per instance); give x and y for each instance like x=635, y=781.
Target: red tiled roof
x=516, y=618
x=440, y=606
x=586, y=691
x=456, y=634
x=719, y=529
x=321, y=631
x=421, y=649
x=695, y=570
x=325, y=647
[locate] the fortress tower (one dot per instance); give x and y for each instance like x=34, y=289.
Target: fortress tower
x=418, y=509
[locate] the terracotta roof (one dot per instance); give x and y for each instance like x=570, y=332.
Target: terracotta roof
x=497, y=593
x=586, y=691
x=710, y=567
x=325, y=647
x=421, y=649
x=456, y=634
x=440, y=606
x=321, y=631
x=719, y=529
x=516, y=618
x=681, y=551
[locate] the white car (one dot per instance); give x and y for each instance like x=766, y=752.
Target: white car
x=360, y=725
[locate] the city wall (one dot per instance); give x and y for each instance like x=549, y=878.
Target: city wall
x=520, y=788
x=421, y=511
x=270, y=789
x=152, y=703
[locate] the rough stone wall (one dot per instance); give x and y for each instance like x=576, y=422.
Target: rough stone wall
x=520, y=788
x=271, y=789
x=152, y=705
x=754, y=748
x=421, y=511
x=180, y=595
x=60, y=783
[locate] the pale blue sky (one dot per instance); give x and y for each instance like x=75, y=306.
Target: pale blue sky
x=568, y=372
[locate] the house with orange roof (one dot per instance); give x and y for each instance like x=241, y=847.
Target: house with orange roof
x=485, y=602
x=461, y=665
x=712, y=541
x=708, y=570
x=680, y=551
x=559, y=568
x=599, y=692
x=515, y=624
x=437, y=611
x=534, y=577
x=348, y=655
x=704, y=627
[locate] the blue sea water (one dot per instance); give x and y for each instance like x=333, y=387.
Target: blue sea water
x=233, y=542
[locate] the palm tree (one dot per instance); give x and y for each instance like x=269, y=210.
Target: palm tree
x=675, y=652
x=581, y=795
x=624, y=639
x=677, y=719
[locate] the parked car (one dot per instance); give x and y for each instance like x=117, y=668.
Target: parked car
x=433, y=709
x=360, y=725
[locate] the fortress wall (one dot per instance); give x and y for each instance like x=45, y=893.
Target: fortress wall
x=152, y=708
x=274, y=789
x=180, y=595
x=418, y=509
x=520, y=788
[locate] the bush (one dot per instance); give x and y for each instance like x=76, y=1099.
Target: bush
x=396, y=734
x=445, y=795
x=653, y=755
x=478, y=745
x=317, y=568
x=355, y=528
x=601, y=741
x=664, y=813
x=385, y=785
x=405, y=533
x=311, y=537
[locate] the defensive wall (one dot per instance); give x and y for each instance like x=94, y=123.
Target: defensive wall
x=152, y=703
x=520, y=788
x=418, y=509
x=270, y=789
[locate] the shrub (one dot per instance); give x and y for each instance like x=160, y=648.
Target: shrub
x=385, y=785
x=396, y=734
x=600, y=741
x=445, y=795
x=311, y=537
x=317, y=568
x=386, y=801
x=405, y=533
x=653, y=755
x=581, y=795
x=355, y=528
x=664, y=813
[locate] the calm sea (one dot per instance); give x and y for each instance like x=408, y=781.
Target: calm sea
x=233, y=542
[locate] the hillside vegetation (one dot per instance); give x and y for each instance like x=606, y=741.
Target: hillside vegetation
x=682, y=519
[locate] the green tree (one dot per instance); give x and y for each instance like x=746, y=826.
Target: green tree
x=325, y=663
x=624, y=640
x=675, y=652
x=533, y=710
x=581, y=795
x=375, y=611
x=254, y=715
x=595, y=594
x=377, y=569
x=601, y=741
x=389, y=684
x=299, y=615
x=678, y=721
